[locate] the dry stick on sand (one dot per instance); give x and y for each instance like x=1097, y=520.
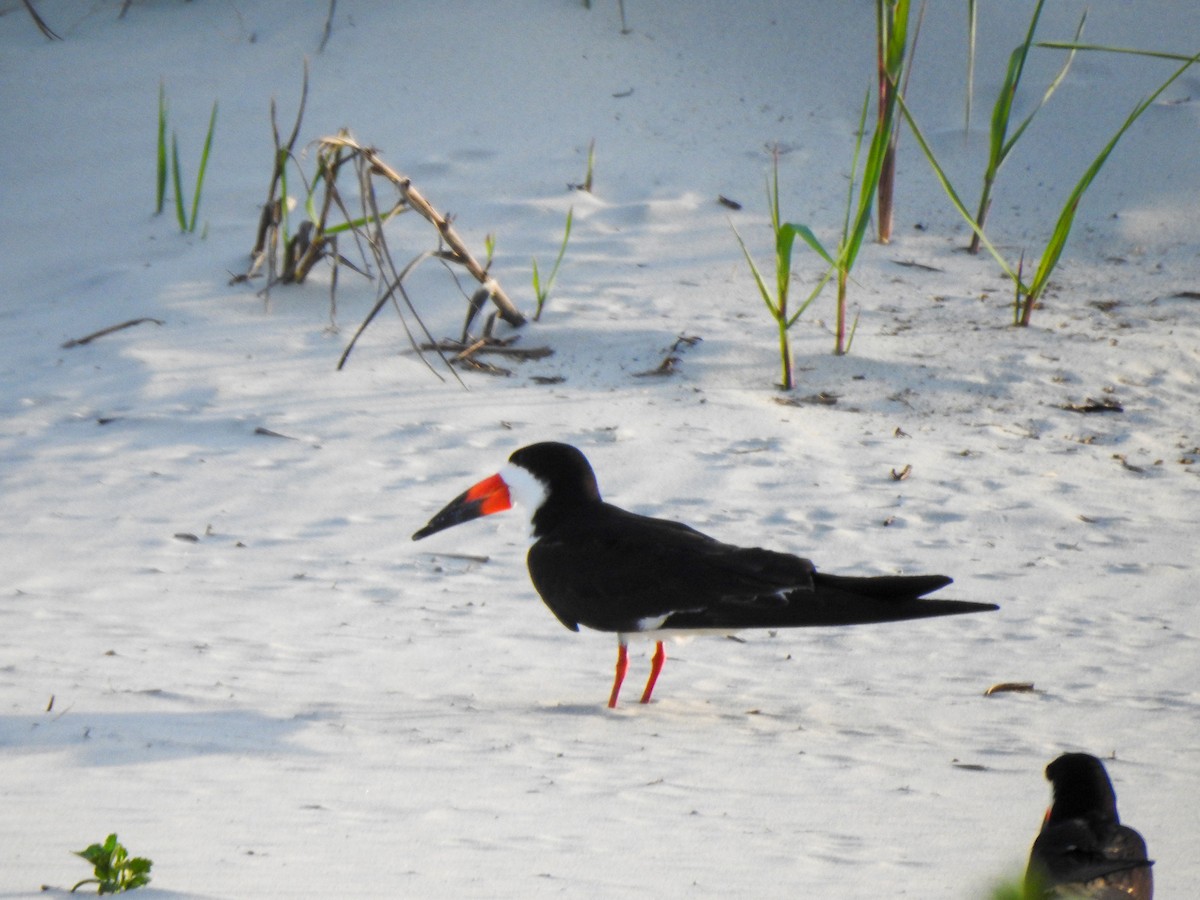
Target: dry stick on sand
x=79, y=342
x=328, y=26
x=40, y=22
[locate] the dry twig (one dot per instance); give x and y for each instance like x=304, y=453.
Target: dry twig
x=79, y=342
x=40, y=22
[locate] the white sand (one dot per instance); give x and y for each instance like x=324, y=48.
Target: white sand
x=303, y=703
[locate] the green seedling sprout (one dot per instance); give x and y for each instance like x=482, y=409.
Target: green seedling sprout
x=1028, y=295
x=489, y=250
x=160, y=181
x=540, y=290
x=777, y=299
x=854, y=225
x=187, y=222
x=586, y=184
x=1001, y=142
x=114, y=870
x=591, y=167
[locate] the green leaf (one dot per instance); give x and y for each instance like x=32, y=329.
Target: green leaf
x=1066, y=219
x=951, y=193
x=1073, y=46
x=208, y=139
x=177, y=183
x=758, y=279
x=1057, y=80
x=160, y=180
x=114, y=870
x=806, y=234
x=543, y=292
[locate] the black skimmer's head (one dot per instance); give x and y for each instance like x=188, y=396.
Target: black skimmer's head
x=1083, y=850
x=597, y=565
x=547, y=480
x=1082, y=789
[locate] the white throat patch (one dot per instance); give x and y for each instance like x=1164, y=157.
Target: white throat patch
x=524, y=490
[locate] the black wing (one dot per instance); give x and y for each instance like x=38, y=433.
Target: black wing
x=610, y=570
x=1073, y=853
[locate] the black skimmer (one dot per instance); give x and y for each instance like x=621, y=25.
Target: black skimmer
x=597, y=565
x=1083, y=850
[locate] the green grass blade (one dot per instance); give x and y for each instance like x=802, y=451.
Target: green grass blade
x=806, y=234
x=361, y=222
x=177, y=184
x=540, y=291
x=1058, y=79
x=758, y=279
x=160, y=180
x=561, y=250
x=208, y=139
x=891, y=35
x=848, y=252
x=1066, y=219
x=940, y=174
x=1067, y=45
x=853, y=331
x=858, y=137
x=816, y=292
x=1002, y=111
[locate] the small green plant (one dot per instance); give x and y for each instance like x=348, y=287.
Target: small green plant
x=777, y=299
x=160, y=181
x=114, y=869
x=1028, y=295
x=489, y=250
x=187, y=222
x=540, y=290
x=1001, y=143
x=854, y=225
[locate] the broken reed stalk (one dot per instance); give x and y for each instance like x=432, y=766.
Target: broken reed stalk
x=891, y=24
x=458, y=252
x=377, y=241
x=316, y=236
x=274, y=211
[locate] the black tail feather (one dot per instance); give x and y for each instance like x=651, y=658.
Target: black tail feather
x=835, y=600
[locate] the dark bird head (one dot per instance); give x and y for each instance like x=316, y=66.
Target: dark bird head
x=1082, y=790
x=546, y=478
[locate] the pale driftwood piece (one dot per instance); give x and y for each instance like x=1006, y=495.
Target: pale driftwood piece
x=1011, y=687
x=508, y=310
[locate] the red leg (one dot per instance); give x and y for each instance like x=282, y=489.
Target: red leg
x=656, y=664
x=622, y=666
